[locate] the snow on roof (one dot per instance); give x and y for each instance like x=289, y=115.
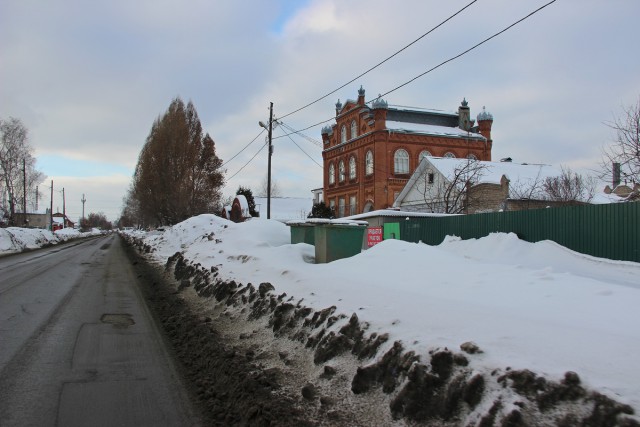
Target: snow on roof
x=493, y=171
x=339, y=221
x=520, y=175
x=431, y=130
x=392, y=213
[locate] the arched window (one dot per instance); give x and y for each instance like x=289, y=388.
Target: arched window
x=354, y=129
x=352, y=167
x=332, y=173
x=341, y=171
x=368, y=163
x=343, y=134
x=401, y=162
x=449, y=155
x=423, y=154
x=472, y=157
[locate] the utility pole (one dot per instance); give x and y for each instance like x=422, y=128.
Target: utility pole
x=269, y=163
x=24, y=188
x=83, y=200
x=64, y=211
x=51, y=209
x=36, y=198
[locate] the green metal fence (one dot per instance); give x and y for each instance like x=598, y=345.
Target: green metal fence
x=608, y=231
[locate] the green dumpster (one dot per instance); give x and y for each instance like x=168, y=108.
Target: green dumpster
x=337, y=239
x=302, y=232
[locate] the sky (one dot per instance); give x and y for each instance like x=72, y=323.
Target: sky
x=89, y=78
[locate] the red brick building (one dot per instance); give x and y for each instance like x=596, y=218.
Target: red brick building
x=372, y=150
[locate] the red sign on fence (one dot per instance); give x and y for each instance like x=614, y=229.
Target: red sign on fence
x=374, y=236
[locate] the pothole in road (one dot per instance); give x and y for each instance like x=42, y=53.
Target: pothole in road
x=105, y=246
x=123, y=320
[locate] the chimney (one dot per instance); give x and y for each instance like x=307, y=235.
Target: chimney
x=616, y=174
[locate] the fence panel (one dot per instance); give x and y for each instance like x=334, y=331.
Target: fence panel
x=608, y=231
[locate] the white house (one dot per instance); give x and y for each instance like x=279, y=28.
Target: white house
x=454, y=185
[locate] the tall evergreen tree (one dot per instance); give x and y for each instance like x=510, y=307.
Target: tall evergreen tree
x=178, y=174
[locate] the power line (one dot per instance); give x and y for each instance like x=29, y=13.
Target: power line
x=312, y=159
x=245, y=147
x=250, y=160
x=383, y=61
x=307, y=137
x=468, y=50
x=436, y=67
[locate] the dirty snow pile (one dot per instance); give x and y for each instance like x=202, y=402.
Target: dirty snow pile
x=16, y=239
x=536, y=306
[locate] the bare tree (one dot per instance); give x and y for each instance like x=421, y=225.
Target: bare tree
x=275, y=188
x=448, y=194
x=17, y=168
x=625, y=149
x=569, y=186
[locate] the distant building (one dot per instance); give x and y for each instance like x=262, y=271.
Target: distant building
x=33, y=220
x=372, y=150
x=282, y=208
x=61, y=221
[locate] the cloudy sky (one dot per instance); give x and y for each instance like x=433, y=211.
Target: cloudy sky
x=89, y=78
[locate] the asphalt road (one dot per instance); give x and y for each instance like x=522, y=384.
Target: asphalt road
x=78, y=347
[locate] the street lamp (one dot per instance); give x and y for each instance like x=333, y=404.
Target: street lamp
x=270, y=129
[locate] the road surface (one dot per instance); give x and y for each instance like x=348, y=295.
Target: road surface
x=78, y=346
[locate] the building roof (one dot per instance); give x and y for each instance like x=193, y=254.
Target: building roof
x=522, y=175
x=493, y=171
x=427, y=129
x=393, y=213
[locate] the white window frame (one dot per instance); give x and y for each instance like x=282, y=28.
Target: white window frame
x=368, y=163
x=352, y=167
x=343, y=134
x=352, y=205
x=401, y=161
x=332, y=173
x=354, y=129
x=449, y=155
x=341, y=172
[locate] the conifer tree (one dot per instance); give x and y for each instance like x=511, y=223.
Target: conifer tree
x=178, y=174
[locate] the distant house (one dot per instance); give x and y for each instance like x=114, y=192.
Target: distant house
x=282, y=208
x=33, y=220
x=61, y=221
x=623, y=192
x=450, y=185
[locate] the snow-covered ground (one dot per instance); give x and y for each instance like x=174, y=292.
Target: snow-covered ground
x=537, y=306
x=16, y=239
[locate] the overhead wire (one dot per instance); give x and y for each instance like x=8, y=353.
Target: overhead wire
x=245, y=147
x=381, y=62
x=466, y=51
x=300, y=148
x=439, y=65
x=250, y=160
